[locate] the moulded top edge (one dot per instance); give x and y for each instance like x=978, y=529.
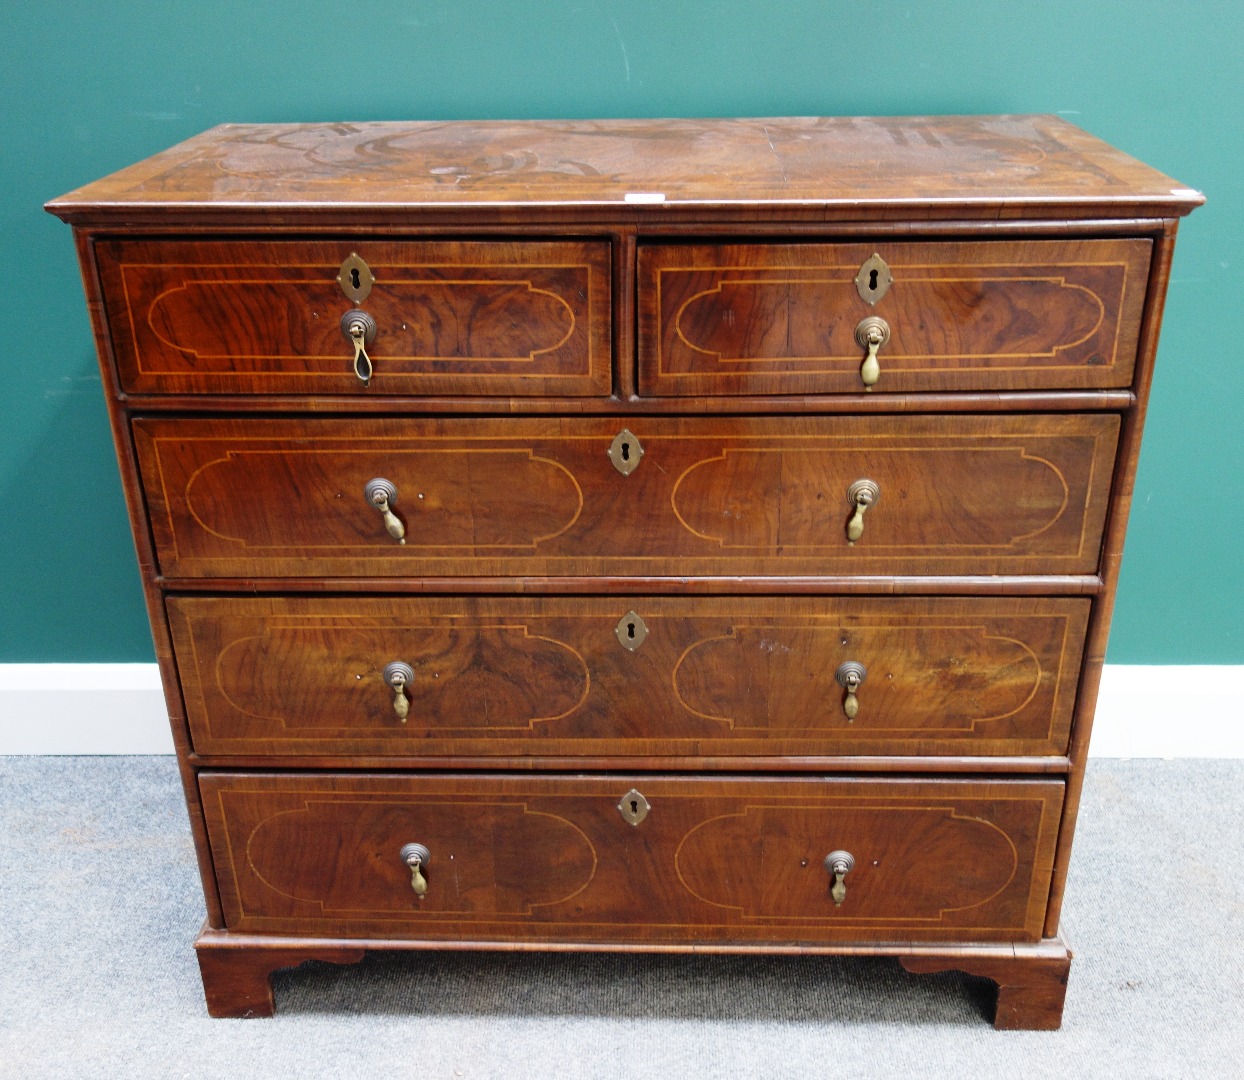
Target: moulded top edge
x=639, y=170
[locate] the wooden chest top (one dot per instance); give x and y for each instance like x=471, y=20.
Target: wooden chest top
x=808, y=168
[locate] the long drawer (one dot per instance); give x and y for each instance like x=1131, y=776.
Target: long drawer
x=961, y=316
x=504, y=677
x=955, y=494
x=564, y=858
x=515, y=318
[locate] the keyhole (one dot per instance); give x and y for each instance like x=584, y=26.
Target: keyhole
x=872, y=280
x=356, y=281
x=626, y=451
x=634, y=807
x=630, y=633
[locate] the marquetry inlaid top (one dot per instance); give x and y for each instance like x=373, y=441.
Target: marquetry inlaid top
x=643, y=170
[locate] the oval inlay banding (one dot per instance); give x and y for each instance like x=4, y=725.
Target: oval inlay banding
x=469, y=677
x=457, y=498
x=966, y=319
x=787, y=498
x=913, y=863
x=926, y=677
x=480, y=320
x=481, y=863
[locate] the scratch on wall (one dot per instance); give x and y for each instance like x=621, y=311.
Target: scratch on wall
x=626, y=60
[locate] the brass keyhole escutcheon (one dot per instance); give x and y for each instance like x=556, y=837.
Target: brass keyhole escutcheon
x=850, y=676
x=355, y=278
x=839, y=864
x=873, y=280
x=633, y=807
x=382, y=495
x=862, y=494
x=870, y=335
x=416, y=857
x=625, y=452
x=631, y=631
x=399, y=676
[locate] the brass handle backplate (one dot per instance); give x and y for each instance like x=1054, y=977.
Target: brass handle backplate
x=850, y=676
x=870, y=335
x=359, y=329
x=862, y=494
x=381, y=494
x=399, y=676
x=839, y=864
x=416, y=856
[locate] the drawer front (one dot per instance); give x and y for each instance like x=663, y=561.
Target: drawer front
x=957, y=494
x=527, y=677
x=252, y=317
x=782, y=318
x=551, y=858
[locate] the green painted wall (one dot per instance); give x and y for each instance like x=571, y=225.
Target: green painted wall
x=89, y=87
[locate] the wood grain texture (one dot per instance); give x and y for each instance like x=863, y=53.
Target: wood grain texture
x=543, y=676
x=1112, y=556
x=153, y=597
x=550, y=857
x=966, y=494
x=793, y=405
x=497, y=319
x=713, y=316
x=783, y=169
x=958, y=765
x=639, y=585
x=781, y=318
x=237, y=976
x=1031, y=988
x=238, y=965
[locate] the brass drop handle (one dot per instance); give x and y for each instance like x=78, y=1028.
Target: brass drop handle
x=839, y=864
x=399, y=676
x=416, y=856
x=382, y=495
x=862, y=494
x=871, y=334
x=359, y=329
x=849, y=676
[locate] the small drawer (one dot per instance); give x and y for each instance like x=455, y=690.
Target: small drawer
x=677, y=859
x=958, y=316
x=514, y=318
x=955, y=494
x=628, y=676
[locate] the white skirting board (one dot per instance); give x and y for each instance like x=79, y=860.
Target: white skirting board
x=1142, y=711
x=82, y=709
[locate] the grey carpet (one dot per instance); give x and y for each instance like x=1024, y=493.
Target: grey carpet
x=99, y=903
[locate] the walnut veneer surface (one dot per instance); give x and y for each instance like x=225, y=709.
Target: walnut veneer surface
x=622, y=384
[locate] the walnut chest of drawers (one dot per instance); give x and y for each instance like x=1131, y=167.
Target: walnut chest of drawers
x=668, y=535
